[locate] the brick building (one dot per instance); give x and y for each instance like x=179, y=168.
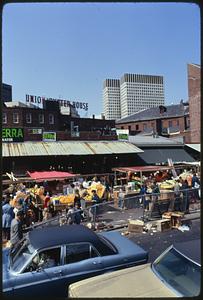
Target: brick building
x=169, y=121
x=194, y=101
x=34, y=121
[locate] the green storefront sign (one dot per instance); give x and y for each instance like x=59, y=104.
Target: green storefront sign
x=12, y=135
x=49, y=136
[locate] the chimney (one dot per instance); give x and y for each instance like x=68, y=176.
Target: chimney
x=93, y=116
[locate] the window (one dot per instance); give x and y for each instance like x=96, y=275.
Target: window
x=15, y=118
x=144, y=126
x=78, y=252
x=45, y=259
x=51, y=119
x=4, y=118
x=137, y=127
x=170, y=123
x=41, y=118
x=177, y=122
x=28, y=118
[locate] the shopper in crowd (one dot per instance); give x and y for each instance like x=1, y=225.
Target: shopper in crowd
x=7, y=217
x=71, y=214
x=70, y=189
x=184, y=188
x=94, y=209
x=78, y=214
x=121, y=196
x=16, y=233
x=177, y=195
x=46, y=200
x=143, y=192
x=77, y=197
x=195, y=186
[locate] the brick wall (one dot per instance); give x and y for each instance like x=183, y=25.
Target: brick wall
x=194, y=101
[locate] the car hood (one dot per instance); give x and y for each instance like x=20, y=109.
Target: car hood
x=132, y=282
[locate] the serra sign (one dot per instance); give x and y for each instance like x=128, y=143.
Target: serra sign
x=12, y=135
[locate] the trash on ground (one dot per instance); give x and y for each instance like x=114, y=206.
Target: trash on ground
x=184, y=228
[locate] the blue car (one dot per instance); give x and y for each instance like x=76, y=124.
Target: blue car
x=49, y=259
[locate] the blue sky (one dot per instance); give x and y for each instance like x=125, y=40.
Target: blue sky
x=67, y=50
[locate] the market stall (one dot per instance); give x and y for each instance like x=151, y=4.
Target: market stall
x=130, y=179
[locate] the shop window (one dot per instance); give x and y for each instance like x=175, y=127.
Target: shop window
x=28, y=118
x=4, y=118
x=15, y=118
x=51, y=119
x=41, y=119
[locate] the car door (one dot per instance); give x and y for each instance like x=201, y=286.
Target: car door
x=44, y=279
x=81, y=261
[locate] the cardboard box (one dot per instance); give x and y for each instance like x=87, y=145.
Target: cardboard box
x=135, y=226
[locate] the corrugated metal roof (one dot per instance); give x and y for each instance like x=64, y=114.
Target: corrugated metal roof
x=67, y=148
x=149, y=140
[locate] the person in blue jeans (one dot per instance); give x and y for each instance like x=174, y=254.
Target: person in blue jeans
x=95, y=208
x=7, y=217
x=143, y=192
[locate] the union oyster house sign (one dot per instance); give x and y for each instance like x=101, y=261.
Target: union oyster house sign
x=64, y=103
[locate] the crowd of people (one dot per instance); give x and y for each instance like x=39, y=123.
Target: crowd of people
x=19, y=213
x=20, y=209
x=184, y=191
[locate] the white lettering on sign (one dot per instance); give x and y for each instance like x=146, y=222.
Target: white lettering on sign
x=64, y=103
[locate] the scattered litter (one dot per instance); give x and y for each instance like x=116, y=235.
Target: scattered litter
x=183, y=228
x=125, y=233
x=154, y=230
x=151, y=233
x=144, y=232
x=148, y=226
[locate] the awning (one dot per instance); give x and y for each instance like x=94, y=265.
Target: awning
x=50, y=175
x=194, y=146
x=67, y=148
x=153, y=156
x=142, y=168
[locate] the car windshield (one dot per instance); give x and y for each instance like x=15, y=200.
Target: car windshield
x=20, y=255
x=180, y=273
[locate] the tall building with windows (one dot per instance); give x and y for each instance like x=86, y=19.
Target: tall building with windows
x=111, y=99
x=132, y=93
x=138, y=92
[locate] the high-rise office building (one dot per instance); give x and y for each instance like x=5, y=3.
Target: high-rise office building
x=133, y=93
x=6, y=92
x=111, y=99
x=138, y=92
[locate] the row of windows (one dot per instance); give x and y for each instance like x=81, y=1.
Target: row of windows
x=28, y=117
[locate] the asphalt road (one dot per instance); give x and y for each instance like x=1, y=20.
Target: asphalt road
x=155, y=243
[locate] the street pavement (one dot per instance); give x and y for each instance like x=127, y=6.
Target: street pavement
x=156, y=242
x=116, y=217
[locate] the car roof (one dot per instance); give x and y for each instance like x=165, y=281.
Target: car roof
x=191, y=249
x=58, y=235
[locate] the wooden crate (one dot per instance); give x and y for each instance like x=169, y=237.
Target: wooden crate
x=163, y=225
x=176, y=219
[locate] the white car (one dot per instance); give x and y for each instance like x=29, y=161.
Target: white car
x=175, y=273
